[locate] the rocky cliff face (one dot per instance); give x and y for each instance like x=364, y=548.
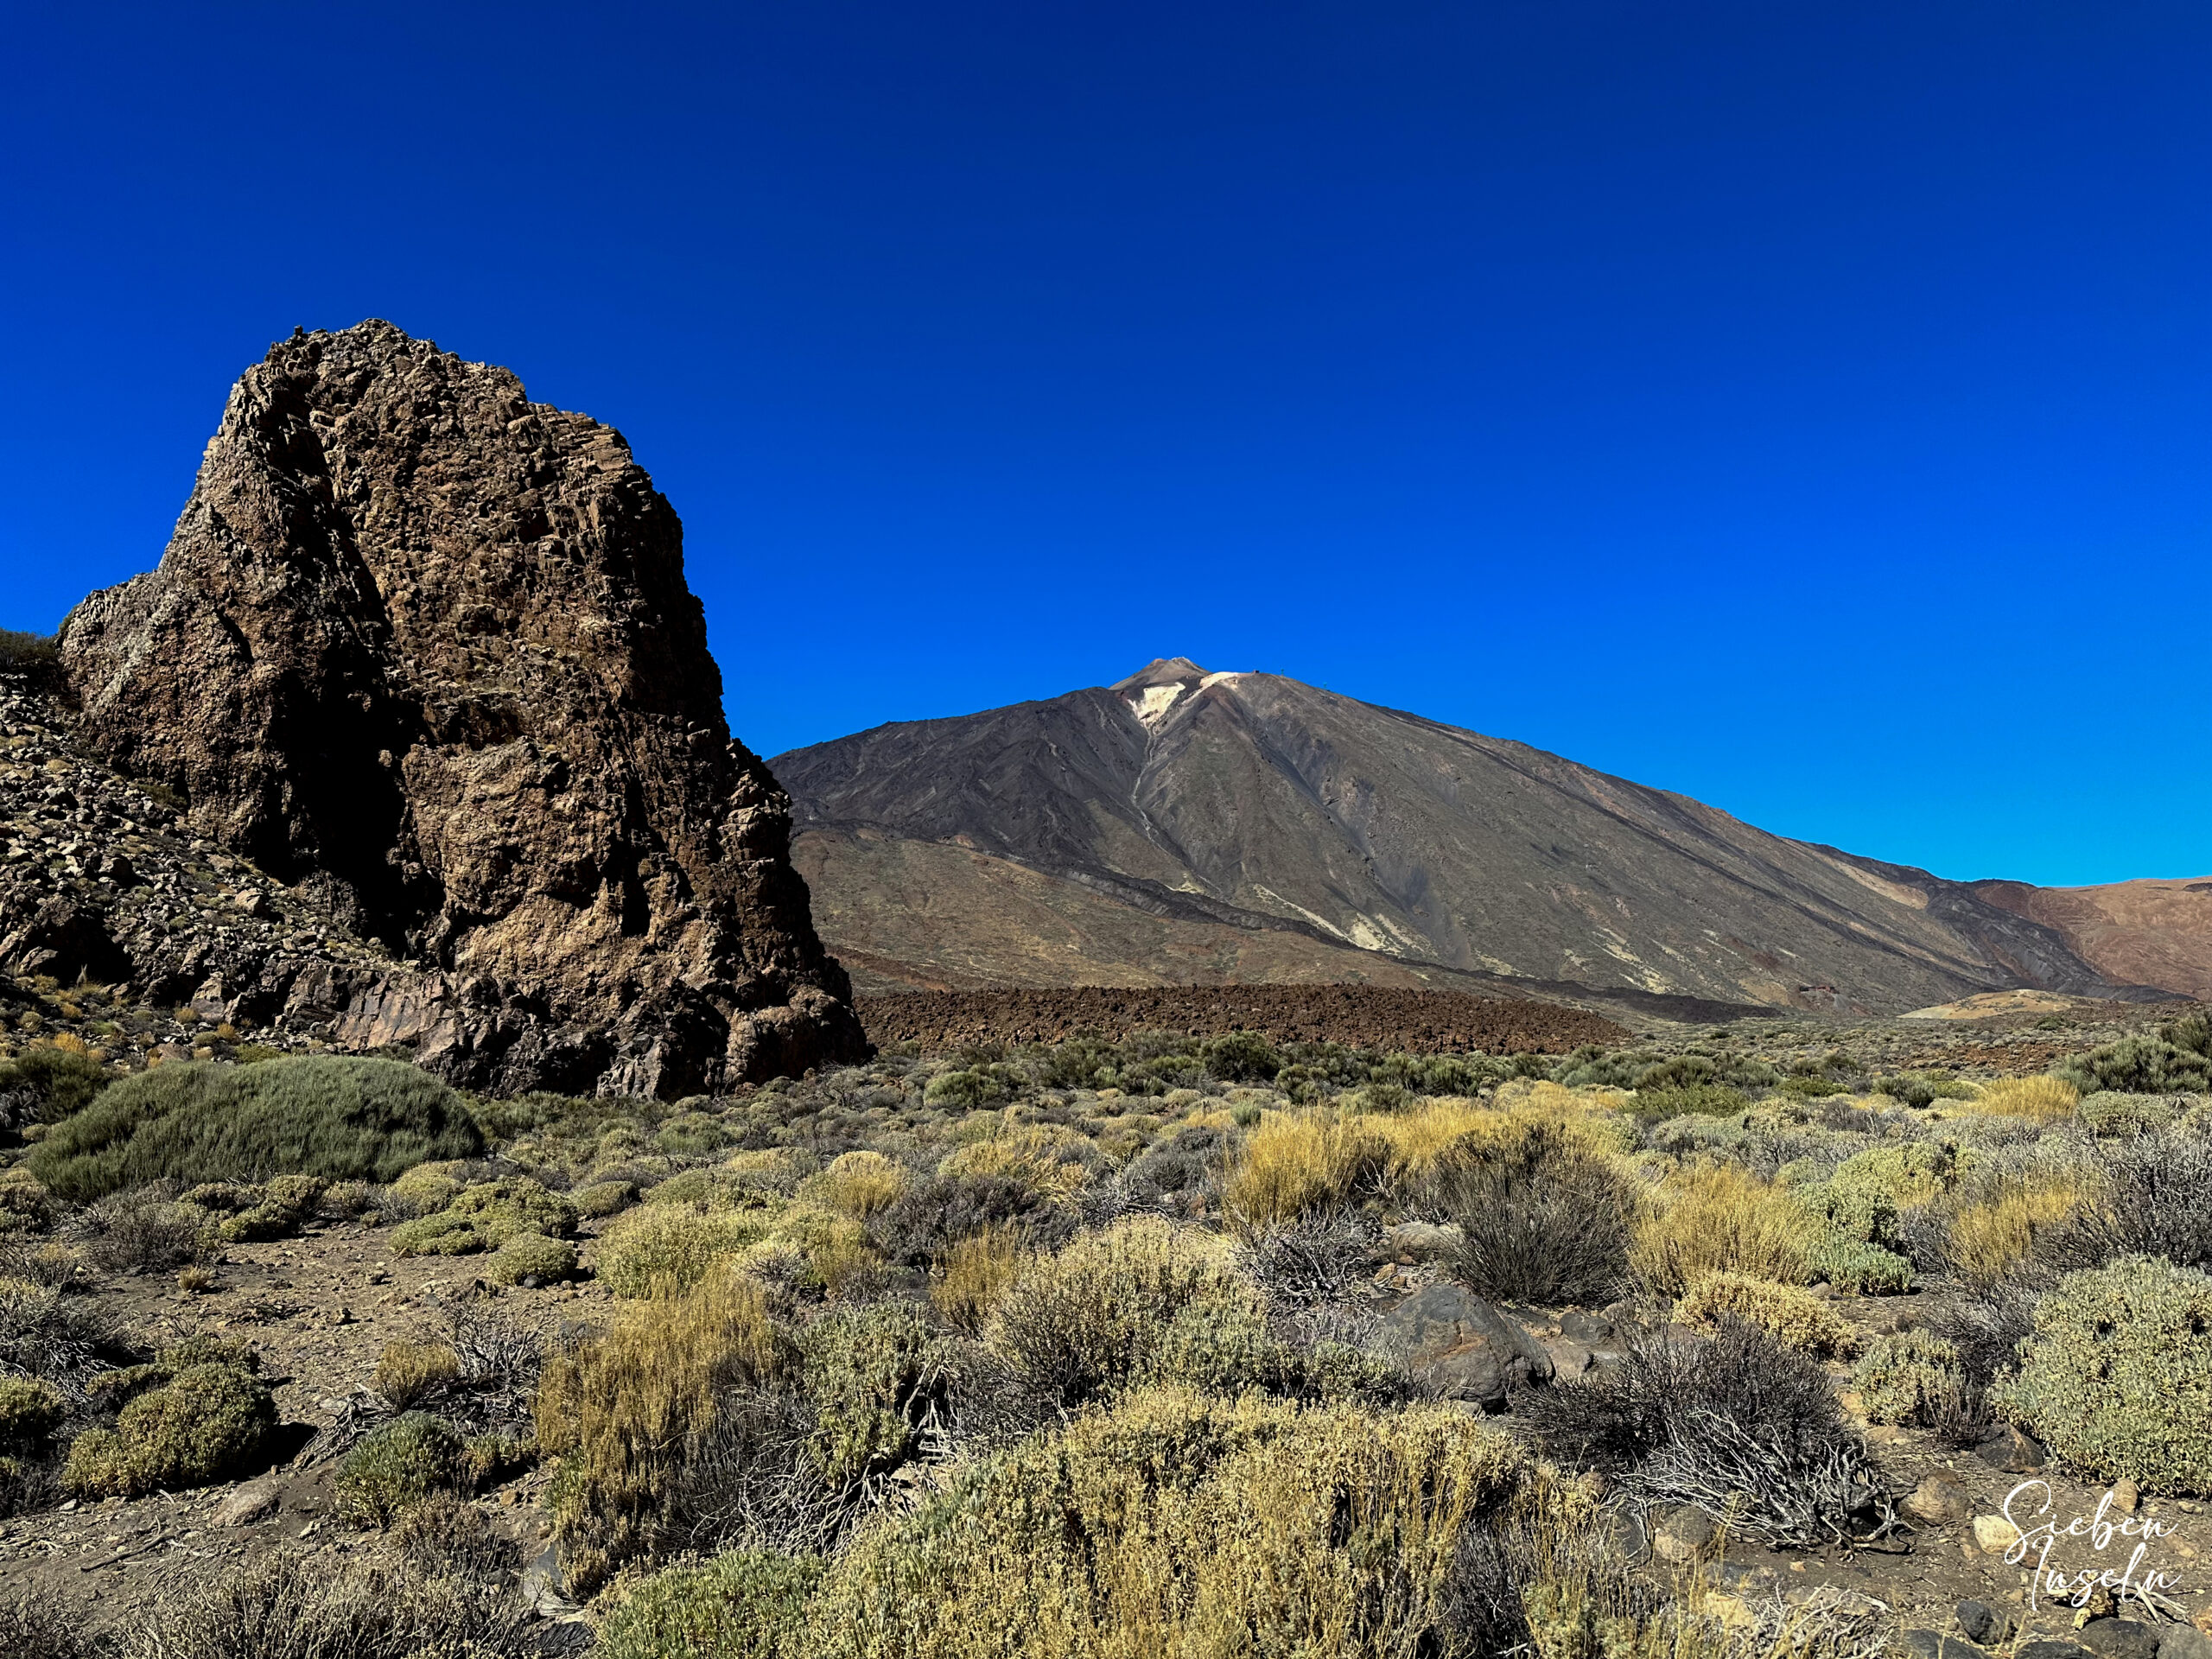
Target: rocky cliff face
x=424, y=649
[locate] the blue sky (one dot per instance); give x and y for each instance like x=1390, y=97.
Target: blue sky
x=1808, y=408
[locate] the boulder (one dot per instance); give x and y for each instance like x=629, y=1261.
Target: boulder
x=1983, y=1623
x=1684, y=1536
x=255, y=1500
x=2180, y=1642
x=1939, y=1499
x=1464, y=1348
x=2011, y=1449
x=1929, y=1644
x=2120, y=1638
x=423, y=651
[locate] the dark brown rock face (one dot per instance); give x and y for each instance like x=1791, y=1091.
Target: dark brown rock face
x=425, y=648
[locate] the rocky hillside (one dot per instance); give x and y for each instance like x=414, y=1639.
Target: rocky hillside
x=422, y=652
x=2155, y=932
x=1186, y=825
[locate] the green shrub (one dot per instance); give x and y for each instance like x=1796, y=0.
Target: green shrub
x=674, y=1244
x=2111, y=1113
x=604, y=1198
x=2142, y=1065
x=750, y=1604
x=206, y=1423
x=1792, y=1315
x=966, y=1090
x=342, y=1118
x=1909, y=1377
x=1095, y=1316
x=424, y=1190
x=2117, y=1378
x=400, y=1463
x=25, y=1204
x=531, y=1255
x=875, y=1373
x=1859, y=1268
x=31, y=1409
x=61, y=1081
x=1661, y=1102
x=27, y=653
x=484, y=1217
x=276, y=1208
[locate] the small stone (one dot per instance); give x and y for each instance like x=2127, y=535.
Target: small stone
x=1981, y=1622
x=1684, y=1536
x=1939, y=1499
x=252, y=1502
x=2011, y=1451
x=2120, y=1638
x=2126, y=1495
x=1994, y=1533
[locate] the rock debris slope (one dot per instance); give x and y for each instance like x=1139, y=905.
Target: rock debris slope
x=424, y=649
x=1254, y=804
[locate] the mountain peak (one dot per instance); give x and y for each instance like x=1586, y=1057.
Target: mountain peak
x=1162, y=670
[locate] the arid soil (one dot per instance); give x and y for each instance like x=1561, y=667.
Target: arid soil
x=1359, y=1016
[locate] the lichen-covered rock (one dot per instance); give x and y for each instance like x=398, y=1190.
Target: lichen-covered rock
x=423, y=649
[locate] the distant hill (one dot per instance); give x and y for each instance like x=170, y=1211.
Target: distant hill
x=2157, y=932
x=1186, y=826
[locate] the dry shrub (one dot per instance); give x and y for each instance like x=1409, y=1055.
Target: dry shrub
x=1722, y=1219
x=1302, y=1164
x=1913, y=1376
x=1794, y=1317
x=297, y=1605
x=1992, y=1235
x=674, y=1244
x=968, y=1284
x=857, y=1184
x=35, y=1627
x=1177, y=1523
x=1542, y=1218
x=2044, y=1099
x=624, y=1411
x=408, y=1370
x=1053, y=1162
x=1092, y=1317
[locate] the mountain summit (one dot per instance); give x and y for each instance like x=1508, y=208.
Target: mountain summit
x=1188, y=824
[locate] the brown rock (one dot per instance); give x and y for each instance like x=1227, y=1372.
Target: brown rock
x=424, y=649
x=2009, y=1449
x=1940, y=1498
x=1464, y=1348
x=255, y=1501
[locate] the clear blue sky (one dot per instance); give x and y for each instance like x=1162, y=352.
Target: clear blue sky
x=1805, y=407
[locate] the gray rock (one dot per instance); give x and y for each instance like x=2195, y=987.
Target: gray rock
x=255, y=1501
x=2120, y=1638
x=1938, y=1500
x=1594, y=1330
x=2009, y=1449
x=1464, y=1348
x=1424, y=1240
x=2049, y=1649
x=1927, y=1644
x=2180, y=1642
x=1686, y=1534
x=1981, y=1622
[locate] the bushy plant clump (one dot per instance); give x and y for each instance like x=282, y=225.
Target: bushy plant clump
x=1724, y=1219
x=1794, y=1317
x=1913, y=1376
x=400, y=1465
x=1092, y=1317
x=55, y=1080
x=484, y=1217
x=205, y=1422
x=2178, y=1060
x=1543, y=1219
x=749, y=1604
x=342, y=1118
x=2117, y=1378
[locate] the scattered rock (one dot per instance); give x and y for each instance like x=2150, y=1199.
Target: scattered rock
x=2126, y=1495
x=1424, y=1240
x=254, y=1500
x=1570, y=1358
x=2009, y=1449
x=1983, y=1623
x=2120, y=1638
x=1684, y=1536
x=1464, y=1347
x=1938, y=1500
x=1929, y=1644
x=1593, y=1329
x=1994, y=1533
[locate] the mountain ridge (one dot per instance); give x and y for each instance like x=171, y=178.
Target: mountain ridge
x=1255, y=802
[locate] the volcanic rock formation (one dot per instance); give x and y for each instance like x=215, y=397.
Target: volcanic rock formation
x=424, y=649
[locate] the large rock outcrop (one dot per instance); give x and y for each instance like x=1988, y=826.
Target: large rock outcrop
x=424, y=649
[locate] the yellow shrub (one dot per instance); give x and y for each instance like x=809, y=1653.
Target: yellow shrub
x=1722, y=1220
x=826, y=1248
x=1989, y=1235
x=968, y=1283
x=1051, y=1161
x=2044, y=1099
x=857, y=1184
x=1295, y=1163
x=1177, y=1523
x=425, y=1189
x=625, y=1410
x=1792, y=1316
x=674, y=1243
x=408, y=1370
